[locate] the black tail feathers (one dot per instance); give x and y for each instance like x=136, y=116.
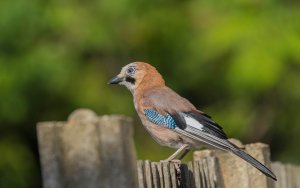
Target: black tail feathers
x=253, y=162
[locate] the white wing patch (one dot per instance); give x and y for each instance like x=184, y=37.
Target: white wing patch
x=192, y=122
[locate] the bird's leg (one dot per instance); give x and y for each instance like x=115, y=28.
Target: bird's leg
x=177, y=162
x=171, y=158
x=183, y=154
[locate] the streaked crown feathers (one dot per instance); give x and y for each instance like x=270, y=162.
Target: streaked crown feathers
x=140, y=75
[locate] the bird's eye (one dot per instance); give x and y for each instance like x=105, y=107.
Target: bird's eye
x=130, y=70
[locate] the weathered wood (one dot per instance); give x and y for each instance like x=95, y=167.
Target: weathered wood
x=205, y=172
x=141, y=175
x=293, y=175
x=87, y=151
x=191, y=173
x=148, y=174
x=185, y=178
x=90, y=151
x=280, y=171
x=173, y=175
x=200, y=174
x=244, y=174
x=155, y=175
x=288, y=176
x=211, y=171
x=166, y=174
x=51, y=154
x=80, y=153
x=261, y=152
x=197, y=177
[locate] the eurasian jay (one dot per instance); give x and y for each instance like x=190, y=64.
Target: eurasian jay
x=171, y=119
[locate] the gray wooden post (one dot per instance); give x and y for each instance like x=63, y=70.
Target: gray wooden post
x=236, y=172
x=261, y=152
x=87, y=151
x=281, y=173
x=288, y=175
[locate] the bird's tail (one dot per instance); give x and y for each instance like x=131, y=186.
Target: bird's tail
x=237, y=151
x=226, y=145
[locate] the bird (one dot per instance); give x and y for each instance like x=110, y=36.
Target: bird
x=172, y=120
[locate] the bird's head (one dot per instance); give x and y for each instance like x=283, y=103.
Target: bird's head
x=138, y=75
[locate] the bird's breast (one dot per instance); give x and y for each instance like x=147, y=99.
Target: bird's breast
x=162, y=135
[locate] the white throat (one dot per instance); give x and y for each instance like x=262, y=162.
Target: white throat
x=129, y=86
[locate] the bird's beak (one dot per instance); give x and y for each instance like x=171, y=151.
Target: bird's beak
x=115, y=80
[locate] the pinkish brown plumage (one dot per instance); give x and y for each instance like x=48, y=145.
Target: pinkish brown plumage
x=171, y=119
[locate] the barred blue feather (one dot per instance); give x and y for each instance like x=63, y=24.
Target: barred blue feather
x=158, y=119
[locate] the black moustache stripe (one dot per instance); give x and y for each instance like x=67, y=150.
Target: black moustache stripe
x=130, y=80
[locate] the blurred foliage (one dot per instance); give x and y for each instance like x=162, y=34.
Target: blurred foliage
x=239, y=61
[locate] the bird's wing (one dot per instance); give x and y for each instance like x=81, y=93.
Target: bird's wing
x=198, y=121
x=165, y=100
x=168, y=103
x=199, y=127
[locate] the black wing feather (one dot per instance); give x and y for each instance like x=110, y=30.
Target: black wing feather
x=179, y=120
x=212, y=134
x=209, y=125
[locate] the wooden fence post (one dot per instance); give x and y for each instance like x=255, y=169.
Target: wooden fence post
x=87, y=151
x=235, y=171
x=288, y=175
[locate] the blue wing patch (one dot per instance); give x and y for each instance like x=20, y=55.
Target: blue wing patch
x=158, y=119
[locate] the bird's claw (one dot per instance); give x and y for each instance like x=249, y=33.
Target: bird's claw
x=176, y=162
x=171, y=161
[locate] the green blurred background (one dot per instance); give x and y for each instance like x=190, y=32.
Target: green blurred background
x=238, y=61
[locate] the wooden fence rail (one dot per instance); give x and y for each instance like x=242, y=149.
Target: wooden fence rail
x=89, y=151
